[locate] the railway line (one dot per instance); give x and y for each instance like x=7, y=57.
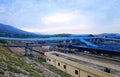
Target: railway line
x=112, y=64
x=98, y=57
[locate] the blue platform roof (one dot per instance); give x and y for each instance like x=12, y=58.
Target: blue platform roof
x=39, y=39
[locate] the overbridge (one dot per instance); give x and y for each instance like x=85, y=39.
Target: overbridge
x=85, y=43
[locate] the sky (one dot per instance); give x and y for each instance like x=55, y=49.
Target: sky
x=62, y=16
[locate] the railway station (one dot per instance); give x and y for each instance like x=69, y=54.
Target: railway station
x=78, y=56
x=80, y=66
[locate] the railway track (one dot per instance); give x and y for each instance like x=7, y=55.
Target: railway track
x=100, y=58
x=100, y=61
x=93, y=62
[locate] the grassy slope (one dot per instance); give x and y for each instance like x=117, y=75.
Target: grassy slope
x=12, y=63
x=53, y=69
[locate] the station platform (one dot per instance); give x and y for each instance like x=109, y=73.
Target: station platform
x=89, y=64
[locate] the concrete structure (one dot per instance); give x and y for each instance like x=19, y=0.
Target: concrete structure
x=83, y=43
x=75, y=68
x=45, y=48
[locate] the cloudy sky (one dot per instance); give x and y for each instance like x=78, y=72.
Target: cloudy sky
x=62, y=16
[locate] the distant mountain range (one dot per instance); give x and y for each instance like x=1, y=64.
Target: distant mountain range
x=109, y=35
x=10, y=31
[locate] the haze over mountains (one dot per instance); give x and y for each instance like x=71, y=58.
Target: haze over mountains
x=110, y=35
x=10, y=31
x=7, y=30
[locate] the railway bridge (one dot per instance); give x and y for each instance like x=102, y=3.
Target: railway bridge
x=102, y=45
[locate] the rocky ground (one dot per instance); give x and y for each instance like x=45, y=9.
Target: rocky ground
x=14, y=64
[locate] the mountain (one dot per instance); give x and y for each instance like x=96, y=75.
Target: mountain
x=110, y=35
x=10, y=31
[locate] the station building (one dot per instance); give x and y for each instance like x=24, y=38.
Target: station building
x=76, y=67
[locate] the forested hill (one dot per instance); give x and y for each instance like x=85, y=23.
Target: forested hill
x=10, y=31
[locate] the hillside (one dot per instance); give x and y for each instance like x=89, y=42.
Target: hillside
x=109, y=35
x=10, y=31
x=13, y=63
x=13, y=66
